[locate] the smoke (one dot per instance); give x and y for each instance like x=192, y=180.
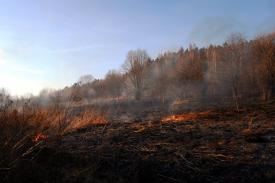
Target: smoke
x=268, y=24
x=214, y=30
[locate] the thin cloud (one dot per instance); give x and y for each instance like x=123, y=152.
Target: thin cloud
x=2, y=59
x=22, y=68
x=76, y=49
x=215, y=29
x=6, y=65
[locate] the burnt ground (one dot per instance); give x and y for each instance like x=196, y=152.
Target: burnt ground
x=218, y=145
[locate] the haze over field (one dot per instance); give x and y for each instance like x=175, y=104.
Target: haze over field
x=108, y=91
x=52, y=43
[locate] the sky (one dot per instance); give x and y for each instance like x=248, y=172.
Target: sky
x=51, y=43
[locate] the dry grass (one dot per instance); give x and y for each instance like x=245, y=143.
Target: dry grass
x=213, y=146
x=21, y=131
x=221, y=145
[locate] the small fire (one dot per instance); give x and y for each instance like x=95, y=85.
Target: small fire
x=184, y=117
x=39, y=137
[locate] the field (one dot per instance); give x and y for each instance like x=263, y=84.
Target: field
x=213, y=145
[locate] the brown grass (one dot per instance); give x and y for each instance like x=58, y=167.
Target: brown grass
x=20, y=131
x=220, y=145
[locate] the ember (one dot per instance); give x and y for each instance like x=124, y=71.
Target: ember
x=39, y=137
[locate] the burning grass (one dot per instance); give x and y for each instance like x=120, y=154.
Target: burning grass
x=192, y=116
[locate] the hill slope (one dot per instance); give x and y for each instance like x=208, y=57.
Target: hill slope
x=209, y=146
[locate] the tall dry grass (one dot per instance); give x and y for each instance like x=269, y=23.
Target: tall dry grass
x=23, y=128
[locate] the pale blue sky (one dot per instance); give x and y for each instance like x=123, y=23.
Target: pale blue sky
x=51, y=43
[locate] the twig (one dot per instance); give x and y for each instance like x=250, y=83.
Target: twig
x=169, y=178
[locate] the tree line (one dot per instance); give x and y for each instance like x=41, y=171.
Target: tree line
x=237, y=71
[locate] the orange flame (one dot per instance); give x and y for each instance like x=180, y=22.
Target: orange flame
x=184, y=117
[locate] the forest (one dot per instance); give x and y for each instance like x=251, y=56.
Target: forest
x=236, y=72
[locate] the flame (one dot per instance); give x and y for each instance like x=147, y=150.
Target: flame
x=185, y=117
x=39, y=137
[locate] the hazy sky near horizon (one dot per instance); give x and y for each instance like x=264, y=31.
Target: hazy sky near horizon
x=51, y=43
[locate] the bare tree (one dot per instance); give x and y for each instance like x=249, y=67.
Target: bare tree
x=5, y=101
x=55, y=99
x=264, y=53
x=85, y=79
x=211, y=77
x=75, y=96
x=190, y=71
x=114, y=83
x=160, y=78
x=135, y=66
x=234, y=64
